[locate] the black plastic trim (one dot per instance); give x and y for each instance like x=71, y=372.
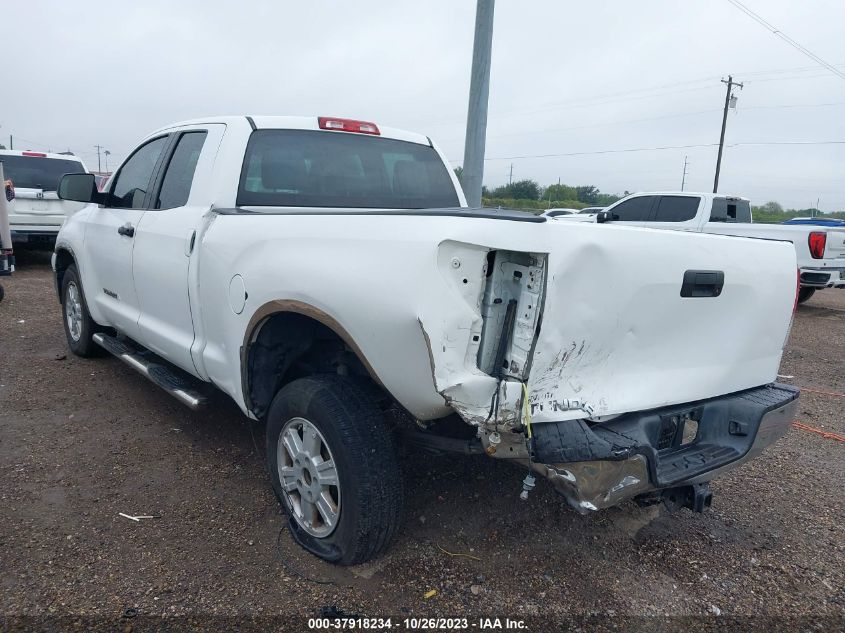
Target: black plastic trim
x=251, y=123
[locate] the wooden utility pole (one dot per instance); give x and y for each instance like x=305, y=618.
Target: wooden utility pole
x=730, y=83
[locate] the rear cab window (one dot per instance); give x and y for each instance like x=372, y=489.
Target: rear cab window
x=310, y=168
x=733, y=210
x=38, y=172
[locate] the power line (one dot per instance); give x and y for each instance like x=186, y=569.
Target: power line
x=760, y=20
x=665, y=147
x=523, y=133
x=781, y=71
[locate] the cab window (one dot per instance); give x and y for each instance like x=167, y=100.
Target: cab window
x=676, y=208
x=176, y=186
x=132, y=182
x=633, y=210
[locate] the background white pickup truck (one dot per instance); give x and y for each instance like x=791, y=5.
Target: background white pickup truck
x=326, y=274
x=820, y=250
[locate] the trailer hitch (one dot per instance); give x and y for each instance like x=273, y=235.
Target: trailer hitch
x=696, y=497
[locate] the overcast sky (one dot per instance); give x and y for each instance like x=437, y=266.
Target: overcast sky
x=567, y=78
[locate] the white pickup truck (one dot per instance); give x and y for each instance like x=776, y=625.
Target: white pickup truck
x=820, y=250
x=327, y=275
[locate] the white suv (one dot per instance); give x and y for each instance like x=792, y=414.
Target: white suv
x=36, y=213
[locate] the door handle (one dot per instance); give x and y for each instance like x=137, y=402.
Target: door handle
x=127, y=229
x=703, y=283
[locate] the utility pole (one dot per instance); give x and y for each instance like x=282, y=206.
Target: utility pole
x=107, y=153
x=730, y=83
x=11, y=142
x=479, y=91
x=98, y=159
x=684, y=177
x=510, y=175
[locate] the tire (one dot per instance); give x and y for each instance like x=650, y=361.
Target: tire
x=79, y=326
x=805, y=293
x=2, y=293
x=348, y=430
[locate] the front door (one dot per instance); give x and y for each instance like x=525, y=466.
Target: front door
x=166, y=244
x=110, y=238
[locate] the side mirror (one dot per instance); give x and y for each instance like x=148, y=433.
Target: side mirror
x=79, y=188
x=605, y=216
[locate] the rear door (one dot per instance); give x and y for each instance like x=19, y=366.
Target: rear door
x=110, y=238
x=676, y=212
x=165, y=243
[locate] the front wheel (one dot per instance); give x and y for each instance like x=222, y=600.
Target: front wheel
x=79, y=326
x=805, y=293
x=333, y=466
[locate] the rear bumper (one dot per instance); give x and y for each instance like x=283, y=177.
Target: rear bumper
x=33, y=227
x=823, y=277
x=639, y=453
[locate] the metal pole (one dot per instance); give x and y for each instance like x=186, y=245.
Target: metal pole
x=684, y=177
x=98, y=159
x=11, y=142
x=479, y=91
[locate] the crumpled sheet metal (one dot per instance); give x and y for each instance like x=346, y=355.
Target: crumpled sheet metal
x=598, y=484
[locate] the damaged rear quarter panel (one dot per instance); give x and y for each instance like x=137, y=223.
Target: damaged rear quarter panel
x=615, y=335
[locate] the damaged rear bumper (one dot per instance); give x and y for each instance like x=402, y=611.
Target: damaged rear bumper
x=600, y=465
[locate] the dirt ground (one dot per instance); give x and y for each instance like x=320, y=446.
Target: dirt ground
x=84, y=440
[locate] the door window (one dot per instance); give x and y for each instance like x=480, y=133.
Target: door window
x=176, y=186
x=676, y=208
x=133, y=180
x=633, y=210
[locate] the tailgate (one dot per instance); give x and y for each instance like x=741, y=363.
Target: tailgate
x=36, y=207
x=835, y=245
x=36, y=202
x=617, y=336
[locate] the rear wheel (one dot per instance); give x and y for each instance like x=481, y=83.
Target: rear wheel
x=805, y=293
x=79, y=326
x=333, y=466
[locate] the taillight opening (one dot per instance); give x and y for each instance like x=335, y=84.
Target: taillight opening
x=348, y=125
x=817, y=241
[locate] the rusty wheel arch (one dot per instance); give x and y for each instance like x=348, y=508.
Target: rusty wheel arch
x=280, y=307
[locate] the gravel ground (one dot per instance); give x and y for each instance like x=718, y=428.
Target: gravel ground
x=83, y=440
